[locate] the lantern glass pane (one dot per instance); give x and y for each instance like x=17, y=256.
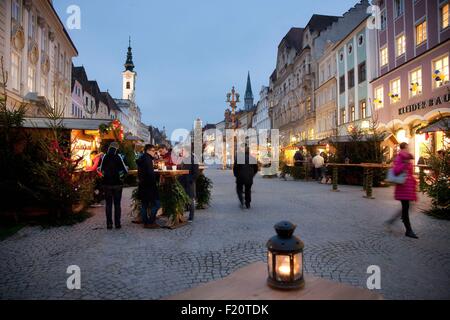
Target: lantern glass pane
x=270, y=263
x=283, y=268
x=298, y=266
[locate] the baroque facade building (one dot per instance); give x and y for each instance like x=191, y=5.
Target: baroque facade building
x=292, y=82
x=303, y=87
x=281, y=100
x=37, y=54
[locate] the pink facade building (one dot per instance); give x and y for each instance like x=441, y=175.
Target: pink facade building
x=412, y=88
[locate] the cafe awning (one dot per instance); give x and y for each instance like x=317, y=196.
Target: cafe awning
x=440, y=125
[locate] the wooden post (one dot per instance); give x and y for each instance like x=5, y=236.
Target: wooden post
x=369, y=184
x=307, y=170
x=364, y=179
x=422, y=179
x=335, y=179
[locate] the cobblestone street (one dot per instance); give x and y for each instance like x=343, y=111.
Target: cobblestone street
x=343, y=235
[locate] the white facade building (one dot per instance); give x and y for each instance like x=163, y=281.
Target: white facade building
x=130, y=113
x=261, y=119
x=355, y=56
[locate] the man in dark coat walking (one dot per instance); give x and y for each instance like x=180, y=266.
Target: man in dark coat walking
x=113, y=170
x=148, y=189
x=244, y=173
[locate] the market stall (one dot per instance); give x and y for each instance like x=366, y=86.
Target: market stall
x=84, y=143
x=84, y=135
x=268, y=168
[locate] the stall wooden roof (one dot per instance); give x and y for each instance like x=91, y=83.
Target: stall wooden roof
x=71, y=124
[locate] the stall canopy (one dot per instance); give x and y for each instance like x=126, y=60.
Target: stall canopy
x=310, y=143
x=133, y=138
x=71, y=124
x=343, y=139
x=440, y=125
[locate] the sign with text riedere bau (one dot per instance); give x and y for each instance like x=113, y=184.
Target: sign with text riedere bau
x=441, y=100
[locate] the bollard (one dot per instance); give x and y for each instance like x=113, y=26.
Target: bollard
x=335, y=179
x=369, y=184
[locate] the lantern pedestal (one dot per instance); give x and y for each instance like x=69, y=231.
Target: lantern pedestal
x=296, y=285
x=249, y=283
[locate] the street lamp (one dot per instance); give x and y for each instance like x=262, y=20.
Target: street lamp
x=233, y=98
x=285, y=258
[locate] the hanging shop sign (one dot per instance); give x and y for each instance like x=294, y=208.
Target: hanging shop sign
x=445, y=99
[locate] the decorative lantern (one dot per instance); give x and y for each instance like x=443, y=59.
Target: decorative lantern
x=285, y=258
x=438, y=76
x=351, y=129
x=394, y=96
x=414, y=87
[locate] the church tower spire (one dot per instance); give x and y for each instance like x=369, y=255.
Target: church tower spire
x=129, y=75
x=129, y=65
x=248, y=99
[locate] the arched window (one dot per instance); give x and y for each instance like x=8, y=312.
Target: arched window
x=360, y=40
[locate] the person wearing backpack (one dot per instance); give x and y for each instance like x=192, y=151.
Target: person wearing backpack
x=405, y=192
x=113, y=170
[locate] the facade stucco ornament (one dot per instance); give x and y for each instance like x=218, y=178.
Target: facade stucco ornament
x=57, y=79
x=33, y=53
x=45, y=64
x=51, y=35
x=41, y=22
x=27, y=4
x=67, y=86
x=18, y=38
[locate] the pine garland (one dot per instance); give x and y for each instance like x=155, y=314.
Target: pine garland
x=203, y=191
x=173, y=199
x=135, y=202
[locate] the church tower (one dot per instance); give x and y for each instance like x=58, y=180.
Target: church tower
x=248, y=99
x=129, y=76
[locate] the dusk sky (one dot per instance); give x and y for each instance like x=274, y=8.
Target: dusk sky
x=188, y=54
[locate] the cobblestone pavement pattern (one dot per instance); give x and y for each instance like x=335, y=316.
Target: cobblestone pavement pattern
x=343, y=235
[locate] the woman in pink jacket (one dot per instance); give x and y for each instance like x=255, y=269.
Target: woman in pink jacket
x=406, y=192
